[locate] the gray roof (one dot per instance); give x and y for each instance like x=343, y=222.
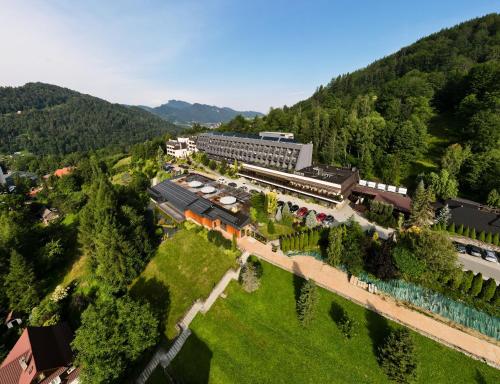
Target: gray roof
x=183, y=199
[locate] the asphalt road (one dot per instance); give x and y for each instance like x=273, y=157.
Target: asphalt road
x=476, y=264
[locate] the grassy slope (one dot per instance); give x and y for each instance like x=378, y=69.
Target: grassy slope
x=185, y=268
x=255, y=338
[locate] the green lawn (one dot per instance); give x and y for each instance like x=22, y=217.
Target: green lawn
x=256, y=338
x=279, y=229
x=185, y=268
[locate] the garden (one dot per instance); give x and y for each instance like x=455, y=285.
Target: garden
x=259, y=337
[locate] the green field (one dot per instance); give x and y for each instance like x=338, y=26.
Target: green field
x=256, y=338
x=185, y=268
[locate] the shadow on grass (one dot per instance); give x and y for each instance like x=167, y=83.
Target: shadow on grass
x=378, y=328
x=298, y=282
x=192, y=364
x=480, y=378
x=157, y=294
x=337, y=312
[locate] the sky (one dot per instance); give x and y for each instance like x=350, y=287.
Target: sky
x=247, y=55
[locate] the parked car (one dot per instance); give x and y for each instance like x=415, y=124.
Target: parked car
x=474, y=251
x=221, y=180
x=460, y=248
x=302, y=212
x=281, y=203
x=490, y=256
x=321, y=217
x=329, y=219
x=234, y=185
x=294, y=208
x=244, y=188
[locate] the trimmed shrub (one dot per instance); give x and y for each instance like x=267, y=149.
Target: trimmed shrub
x=477, y=284
x=456, y=281
x=397, y=356
x=270, y=227
x=466, y=281
x=496, y=239
x=451, y=228
x=489, y=238
x=473, y=234
x=488, y=290
x=482, y=236
x=496, y=299
x=467, y=232
x=460, y=230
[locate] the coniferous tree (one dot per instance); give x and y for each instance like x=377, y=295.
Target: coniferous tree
x=460, y=230
x=444, y=216
x=397, y=356
x=488, y=290
x=311, y=221
x=467, y=232
x=334, y=250
x=20, y=284
x=307, y=302
x=496, y=239
x=482, y=236
x=451, y=228
x=421, y=209
x=466, y=281
x=477, y=284
x=249, y=278
x=473, y=234
x=489, y=238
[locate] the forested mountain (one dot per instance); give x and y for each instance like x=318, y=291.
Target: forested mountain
x=47, y=119
x=181, y=112
x=398, y=117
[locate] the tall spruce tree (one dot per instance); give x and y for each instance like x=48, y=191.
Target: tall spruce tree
x=307, y=302
x=397, y=356
x=20, y=284
x=334, y=250
x=421, y=209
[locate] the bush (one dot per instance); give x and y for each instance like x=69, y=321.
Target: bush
x=397, y=356
x=467, y=232
x=460, y=230
x=456, y=280
x=466, y=281
x=496, y=239
x=488, y=290
x=473, y=234
x=477, y=284
x=489, y=238
x=347, y=325
x=451, y=228
x=218, y=239
x=306, y=304
x=482, y=236
x=270, y=227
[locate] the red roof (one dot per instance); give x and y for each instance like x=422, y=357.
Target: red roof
x=44, y=350
x=63, y=171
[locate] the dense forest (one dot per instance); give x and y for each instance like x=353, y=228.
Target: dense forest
x=433, y=106
x=46, y=119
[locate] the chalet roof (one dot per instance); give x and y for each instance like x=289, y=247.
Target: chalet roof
x=400, y=202
x=43, y=348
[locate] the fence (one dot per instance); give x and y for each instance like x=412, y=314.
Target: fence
x=438, y=304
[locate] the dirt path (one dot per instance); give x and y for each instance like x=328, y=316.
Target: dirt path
x=336, y=281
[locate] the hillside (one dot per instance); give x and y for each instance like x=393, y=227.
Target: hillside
x=396, y=118
x=47, y=119
x=181, y=112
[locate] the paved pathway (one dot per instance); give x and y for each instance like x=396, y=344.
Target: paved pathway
x=163, y=357
x=336, y=281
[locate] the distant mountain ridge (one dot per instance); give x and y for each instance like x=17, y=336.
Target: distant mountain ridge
x=47, y=119
x=182, y=112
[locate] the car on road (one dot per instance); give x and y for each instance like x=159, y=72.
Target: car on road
x=294, y=208
x=474, y=251
x=321, y=217
x=329, y=219
x=234, y=185
x=490, y=256
x=244, y=188
x=460, y=248
x=281, y=203
x=302, y=212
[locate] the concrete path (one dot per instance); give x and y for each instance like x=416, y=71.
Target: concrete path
x=164, y=358
x=336, y=281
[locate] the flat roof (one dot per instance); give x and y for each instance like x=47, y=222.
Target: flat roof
x=336, y=175
x=250, y=136
x=183, y=199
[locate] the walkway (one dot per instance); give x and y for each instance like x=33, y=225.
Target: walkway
x=336, y=281
x=164, y=358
